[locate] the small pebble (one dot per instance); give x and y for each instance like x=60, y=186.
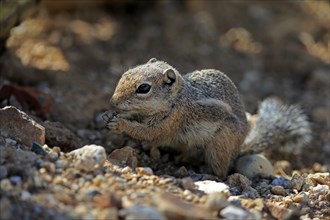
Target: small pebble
x=323, y=189
x=10, y=142
x=296, y=182
x=25, y=195
x=278, y=190
x=209, y=186
x=181, y=172
x=89, y=157
x=188, y=183
x=144, y=171
x=281, y=181
x=216, y=201
x=15, y=180
x=253, y=165
x=301, y=197
x=234, y=213
x=3, y=172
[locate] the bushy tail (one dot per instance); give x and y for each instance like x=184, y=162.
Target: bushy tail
x=278, y=126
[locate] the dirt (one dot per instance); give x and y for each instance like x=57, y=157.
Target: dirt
x=75, y=54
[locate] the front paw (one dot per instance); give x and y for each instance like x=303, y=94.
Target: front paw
x=117, y=124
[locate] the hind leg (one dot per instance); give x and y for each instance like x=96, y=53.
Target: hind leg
x=221, y=152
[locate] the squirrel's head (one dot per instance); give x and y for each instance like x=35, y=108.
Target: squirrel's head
x=146, y=89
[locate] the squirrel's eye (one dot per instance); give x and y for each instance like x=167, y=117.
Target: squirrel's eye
x=143, y=88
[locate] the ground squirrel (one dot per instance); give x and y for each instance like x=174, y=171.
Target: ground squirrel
x=200, y=114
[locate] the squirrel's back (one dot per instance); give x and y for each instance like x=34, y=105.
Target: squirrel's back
x=211, y=83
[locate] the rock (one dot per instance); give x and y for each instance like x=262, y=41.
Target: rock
x=6, y=208
x=3, y=172
x=297, y=182
x=301, y=197
x=174, y=208
x=253, y=165
x=58, y=135
x=155, y=153
x=209, y=186
x=89, y=157
x=15, y=180
x=283, y=166
x=281, y=181
x=117, y=139
x=20, y=127
x=321, y=178
x=10, y=141
x=240, y=184
x=124, y=156
x=322, y=189
x=278, y=212
x=217, y=201
x=107, y=201
x=141, y=212
x=253, y=204
x=36, y=148
x=25, y=195
x=234, y=213
x=144, y=171
x=181, y=172
x=238, y=180
x=278, y=190
x=188, y=183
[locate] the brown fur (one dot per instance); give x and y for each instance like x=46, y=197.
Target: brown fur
x=201, y=111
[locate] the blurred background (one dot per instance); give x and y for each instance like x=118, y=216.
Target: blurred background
x=61, y=60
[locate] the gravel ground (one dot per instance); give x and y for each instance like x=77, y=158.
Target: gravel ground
x=60, y=66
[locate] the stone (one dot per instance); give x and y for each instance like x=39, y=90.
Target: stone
x=209, y=186
x=181, y=172
x=174, y=208
x=58, y=135
x=253, y=165
x=278, y=190
x=117, y=139
x=3, y=172
x=321, y=178
x=217, y=201
x=238, y=180
x=144, y=171
x=188, y=183
x=283, y=166
x=278, y=212
x=155, y=153
x=253, y=204
x=6, y=208
x=21, y=127
x=234, y=213
x=141, y=212
x=281, y=181
x=240, y=184
x=89, y=157
x=124, y=156
x=297, y=182
x=301, y=197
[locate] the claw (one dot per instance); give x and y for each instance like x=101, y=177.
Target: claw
x=107, y=116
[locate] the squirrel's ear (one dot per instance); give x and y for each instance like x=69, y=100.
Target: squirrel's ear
x=169, y=76
x=152, y=60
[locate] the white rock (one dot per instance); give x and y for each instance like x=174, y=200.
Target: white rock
x=89, y=157
x=142, y=212
x=235, y=213
x=323, y=189
x=25, y=195
x=210, y=186
x=254, y=164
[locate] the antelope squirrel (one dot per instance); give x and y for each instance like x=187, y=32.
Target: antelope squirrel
x=200, y=114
